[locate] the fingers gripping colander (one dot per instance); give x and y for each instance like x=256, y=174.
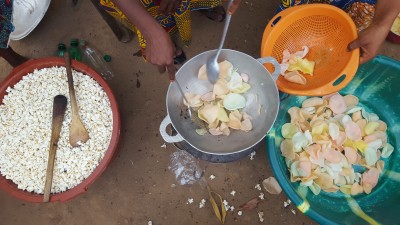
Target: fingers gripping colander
x=327, y=31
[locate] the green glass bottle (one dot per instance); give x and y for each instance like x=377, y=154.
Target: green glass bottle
x=74, y=52
x=61, y=49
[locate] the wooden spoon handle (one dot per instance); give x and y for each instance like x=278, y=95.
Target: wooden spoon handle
x=59, y=107
x=72, y=98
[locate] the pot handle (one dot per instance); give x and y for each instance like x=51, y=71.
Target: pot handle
x=275, y=63
x=163, y=131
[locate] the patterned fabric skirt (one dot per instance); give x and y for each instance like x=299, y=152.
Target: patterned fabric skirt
x=6, y=27
x=178, y=22
x=361, y=11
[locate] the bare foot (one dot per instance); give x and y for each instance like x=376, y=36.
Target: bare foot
x=217, y=13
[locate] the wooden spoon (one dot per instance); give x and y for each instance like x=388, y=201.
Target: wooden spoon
x=59, y=107
x=77, y=131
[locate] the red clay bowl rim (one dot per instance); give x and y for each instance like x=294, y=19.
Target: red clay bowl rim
x=29, y=66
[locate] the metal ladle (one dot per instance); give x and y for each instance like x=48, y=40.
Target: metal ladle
x=212, y=63
x=192, y=114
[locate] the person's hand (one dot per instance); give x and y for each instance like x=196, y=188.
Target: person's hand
x=234, y=6
x=369, y=41
x=169, y=6
x=160, y=51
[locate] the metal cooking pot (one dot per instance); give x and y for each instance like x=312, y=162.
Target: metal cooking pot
x=262, y=104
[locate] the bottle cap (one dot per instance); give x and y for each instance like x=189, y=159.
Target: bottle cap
x=107, y=58
x=74, y=41
x=61, y=46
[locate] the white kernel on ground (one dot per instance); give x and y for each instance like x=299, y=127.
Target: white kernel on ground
x=261, y=196
x=233, y=193
x=226, y=204
x=285, y=204
x=190, y=201
x=240, y=213
x=212, y=177
x=258, y=187
x=202, y=203
x=252, y=154
x=293, y=211
x=150, y=223
x=25, y=130
x=261, y=216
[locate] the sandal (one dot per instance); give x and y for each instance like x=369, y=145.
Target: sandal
x=217, y=13
x=180, y=59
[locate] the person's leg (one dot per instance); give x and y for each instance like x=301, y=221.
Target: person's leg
x=13, y=58
x=180, y=56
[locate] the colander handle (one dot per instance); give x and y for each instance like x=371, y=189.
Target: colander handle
x=277, y=66
x=163, y=131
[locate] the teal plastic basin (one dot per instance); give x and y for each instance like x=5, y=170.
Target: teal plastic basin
x=377, y=85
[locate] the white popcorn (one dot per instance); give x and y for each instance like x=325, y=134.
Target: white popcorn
x=293, y=211
x=212, y=177
x=261, y=216
x=258, y=187
x=164, y=146
x=190, y=201
x=232, y=208
x=285, y=204
x=252, y=154
x=202, y=203
x=150, y=223
x=240, y=213
x=233, y=193
x=261, y=196
x=226, y=205
x=25, y=130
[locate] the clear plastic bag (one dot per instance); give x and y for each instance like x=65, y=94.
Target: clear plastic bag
x=185, y=167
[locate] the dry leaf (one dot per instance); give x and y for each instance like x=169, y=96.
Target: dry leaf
x=221, y=215
x=250, y=204
x=271, y=185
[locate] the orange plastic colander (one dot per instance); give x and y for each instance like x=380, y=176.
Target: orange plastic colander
x=327, y=31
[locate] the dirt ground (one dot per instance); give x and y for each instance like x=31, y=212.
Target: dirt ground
x=138, y=187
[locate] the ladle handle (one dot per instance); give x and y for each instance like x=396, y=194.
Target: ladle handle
x=226, y=26
x=59, y=107
x=71, y=89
